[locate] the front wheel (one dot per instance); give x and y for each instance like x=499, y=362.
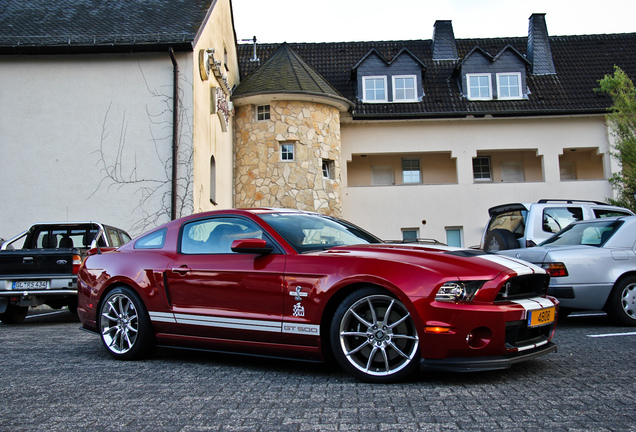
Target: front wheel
x=125, y=326
x=621, y=305
x=373, y=337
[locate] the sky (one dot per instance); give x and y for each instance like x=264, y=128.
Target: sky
x=276, y=21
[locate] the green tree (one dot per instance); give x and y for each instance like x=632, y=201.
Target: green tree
x=622, y=119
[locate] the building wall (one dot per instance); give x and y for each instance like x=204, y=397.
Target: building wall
x=212, y=139
x=88, y=137
x=464, y=203
x=263, y=179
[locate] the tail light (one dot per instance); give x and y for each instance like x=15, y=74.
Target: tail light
x=77, y=262
x=556, y=269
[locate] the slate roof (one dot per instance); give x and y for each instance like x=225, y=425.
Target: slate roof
x=285, y=72
x=58, y=26
x=580, y=62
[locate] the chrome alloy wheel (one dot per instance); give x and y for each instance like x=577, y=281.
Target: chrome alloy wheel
x=119, y=323
x=628, y=300
x=377, y=335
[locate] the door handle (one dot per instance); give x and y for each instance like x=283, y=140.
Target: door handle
x=181, y=270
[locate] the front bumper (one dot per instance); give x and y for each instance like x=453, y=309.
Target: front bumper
x=475, y=364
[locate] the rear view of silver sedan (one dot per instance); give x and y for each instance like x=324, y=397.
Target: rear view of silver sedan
x=592, y=265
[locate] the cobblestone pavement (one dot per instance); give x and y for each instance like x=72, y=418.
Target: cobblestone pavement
x=55, y=377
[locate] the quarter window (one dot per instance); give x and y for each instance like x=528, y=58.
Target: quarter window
x=154, y=240
x=509, y=86
x=481, y=169
x=374, y=89
x=404, y=88
x=479, y=86
x=411, y=171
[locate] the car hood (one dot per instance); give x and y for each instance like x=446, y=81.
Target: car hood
x=467, y=263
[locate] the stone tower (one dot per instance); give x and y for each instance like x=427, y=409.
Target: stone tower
x=287, y=137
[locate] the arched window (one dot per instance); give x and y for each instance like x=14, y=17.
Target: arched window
x=213, y=180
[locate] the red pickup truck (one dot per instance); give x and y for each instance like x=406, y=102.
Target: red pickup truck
x=39, y=266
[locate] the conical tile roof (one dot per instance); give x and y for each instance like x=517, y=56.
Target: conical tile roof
x=285, y=72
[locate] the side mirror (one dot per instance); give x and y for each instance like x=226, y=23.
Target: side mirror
x=251, y=245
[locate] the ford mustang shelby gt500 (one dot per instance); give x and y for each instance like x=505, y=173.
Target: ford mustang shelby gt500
x=295, y=284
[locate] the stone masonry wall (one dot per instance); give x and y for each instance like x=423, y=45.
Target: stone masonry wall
x=262, y=179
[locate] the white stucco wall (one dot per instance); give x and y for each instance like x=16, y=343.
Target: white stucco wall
x=385, y=210
x=88, y=137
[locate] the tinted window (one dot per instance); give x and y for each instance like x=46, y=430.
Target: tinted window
x=595, y=233
x=154, y=240
x=216, y=235
x=603, y=213
x=308, y=232
x=513, y=221
x=557, y=218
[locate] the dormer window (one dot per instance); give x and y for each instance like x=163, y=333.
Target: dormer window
x=479, y=86
x=509, y=86
x=404, y=89
x=374, y=88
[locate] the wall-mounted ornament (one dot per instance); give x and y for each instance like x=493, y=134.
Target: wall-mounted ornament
x=204, y=62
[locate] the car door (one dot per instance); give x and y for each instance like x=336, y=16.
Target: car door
x=217, y=293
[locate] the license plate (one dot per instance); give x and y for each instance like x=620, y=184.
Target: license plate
x=18, y=285
x=541, y=317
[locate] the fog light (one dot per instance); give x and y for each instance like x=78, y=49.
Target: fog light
x=479, y=337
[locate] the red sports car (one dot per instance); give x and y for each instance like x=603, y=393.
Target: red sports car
x=288, y=283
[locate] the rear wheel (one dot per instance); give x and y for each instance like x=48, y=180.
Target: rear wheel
x=125, y=326
x=621, y=305
x=14, y=314
x=498, y=240
x=373, y=337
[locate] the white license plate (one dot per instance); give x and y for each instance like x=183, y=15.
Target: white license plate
x=18, y=285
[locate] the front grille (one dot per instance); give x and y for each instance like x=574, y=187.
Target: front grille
x=518, y=334
x=523, y=287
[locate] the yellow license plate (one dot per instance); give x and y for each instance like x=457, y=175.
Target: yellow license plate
x=541, y=317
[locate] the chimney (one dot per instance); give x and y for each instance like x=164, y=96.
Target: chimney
x=539, y=52
x=444, y=47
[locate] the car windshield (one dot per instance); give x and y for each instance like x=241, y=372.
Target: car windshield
x=594, y=233
x=310, y=232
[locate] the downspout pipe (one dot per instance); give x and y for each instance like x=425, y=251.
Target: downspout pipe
x=175, y=133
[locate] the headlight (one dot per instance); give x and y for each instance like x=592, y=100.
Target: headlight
x=458, y=291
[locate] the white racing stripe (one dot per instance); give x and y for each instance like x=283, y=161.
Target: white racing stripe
x=521, y=268
x=236, y=323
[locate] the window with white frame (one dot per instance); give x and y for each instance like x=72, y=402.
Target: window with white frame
x=479, y=86
x=287, y=151
x=374, y=89
x=454, y=237
x=328, y=169
x=411, y=171
x=262, y=112
x=404, y=88
x=481, y=169
x=509, y=86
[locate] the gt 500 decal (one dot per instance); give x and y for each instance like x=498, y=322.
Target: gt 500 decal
x=236, y=324
x=305, y=329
